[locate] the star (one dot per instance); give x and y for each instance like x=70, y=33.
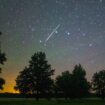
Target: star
x=90, y=45
x=75, y=29
x=84, y=34
x=68, y=33
x=40, y=41
x=100, y=1
x=56, y=32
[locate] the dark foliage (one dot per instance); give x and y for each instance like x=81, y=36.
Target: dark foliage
x=98, y=83
x=2, y=82
x=36, y=79
x=80, y=84
x=2, y=60
x=73, y=85
x=63, y=84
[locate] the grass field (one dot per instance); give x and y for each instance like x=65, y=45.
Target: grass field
x=52, y=102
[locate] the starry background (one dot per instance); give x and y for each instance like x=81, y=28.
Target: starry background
x=80, y=37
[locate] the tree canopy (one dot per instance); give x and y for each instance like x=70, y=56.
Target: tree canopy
x=73, y=85
x=98, y=83
x=2, y=60
x=80, y=84
x=63, y=84
x=36, y=78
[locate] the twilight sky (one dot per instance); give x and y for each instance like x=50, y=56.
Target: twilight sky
x=68, y=31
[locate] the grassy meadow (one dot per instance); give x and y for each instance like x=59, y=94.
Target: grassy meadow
x=52, y=102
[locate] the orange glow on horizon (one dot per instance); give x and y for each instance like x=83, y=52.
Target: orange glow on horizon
x=9, y=89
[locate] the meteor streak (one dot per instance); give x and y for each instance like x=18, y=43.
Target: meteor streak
x=52, y=33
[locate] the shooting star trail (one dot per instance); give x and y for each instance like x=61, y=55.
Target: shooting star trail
x=52, y=33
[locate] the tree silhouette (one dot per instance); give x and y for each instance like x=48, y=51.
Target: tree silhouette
x=80, y=84
x=24, y=82
x=98, y=83
x=2, y=82
x=73, y=85
x=36, y=79
x=64, y=84
x=2, y=60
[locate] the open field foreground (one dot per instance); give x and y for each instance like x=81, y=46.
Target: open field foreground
x=52, y=102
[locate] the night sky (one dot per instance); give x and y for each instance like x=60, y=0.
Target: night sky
x=68, y=31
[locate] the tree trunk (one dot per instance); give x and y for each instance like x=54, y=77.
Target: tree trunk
x=37, y=95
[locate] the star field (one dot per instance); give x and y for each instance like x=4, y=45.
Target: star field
x=80, y=38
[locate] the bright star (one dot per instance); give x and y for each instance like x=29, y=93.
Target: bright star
x=90, y=45
x=40, y=41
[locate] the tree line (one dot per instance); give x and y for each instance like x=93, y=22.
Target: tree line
x=36, y=79
x=2, y=60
